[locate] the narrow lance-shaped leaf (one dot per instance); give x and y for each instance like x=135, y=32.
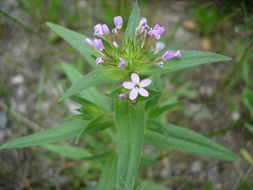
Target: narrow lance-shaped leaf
x=68, y=130
x=183, y=139
x=158, y=111
x=133, y=21
x=94, y=78
x=147, y=185
x=76, y=40
x=249, y=127
x=188, y=60
x=107, y=179
x=130, y=128
x=92, y=94
x=62, y=132
x=68, y=151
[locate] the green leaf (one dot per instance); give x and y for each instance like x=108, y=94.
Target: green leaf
x=249, y=127
x=68, y=151
x=93, y=78
x=95, y=126
x=100, y=156
x=107, y=179
x=76, y=40
x=247, y=97
x=133, y=21
x=148, y=185
x=92, y=94
x=130, y=128
x=156, y=112
x=62, y=132
x=189, y=59
x=185, y=140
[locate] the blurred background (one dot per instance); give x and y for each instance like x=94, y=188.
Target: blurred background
x=219, y=97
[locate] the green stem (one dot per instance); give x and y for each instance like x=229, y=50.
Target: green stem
x=130, y=127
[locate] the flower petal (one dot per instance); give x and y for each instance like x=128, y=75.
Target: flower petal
x=118, y=21
x=99, y=60
x=143, y=92
x=133, y=94
x=128, y=85
x=135, y=78
x=145, y=82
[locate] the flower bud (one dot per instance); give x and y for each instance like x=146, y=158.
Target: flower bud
x=99, y=61
x=118, y=22
x=98, y=29
x=98, y=44
x=105, y=29
x=89, y=42
x=143, y=21
x=172, y=54
x=178, y=54
x=122, y=63
x=122, y=96
x=168, y=55
x=115, y=44
x=157, y=31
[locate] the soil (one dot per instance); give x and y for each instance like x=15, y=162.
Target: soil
x=26, y=107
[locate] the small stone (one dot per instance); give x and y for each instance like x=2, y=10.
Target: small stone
x=218, y=186
x=235, y=116
x=20, y=91
x=196, y=167
x=182, y=166
x=3, y=120
x=18, y=79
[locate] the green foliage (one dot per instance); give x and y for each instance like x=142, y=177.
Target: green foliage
x=94, y=78
x=209, y=18
x=133, y=22
x=76, y=40
x=168, y=136
x=59, y=133
x=247, y=96
x=108, y=177
x=92, y=94
x=249, y=127
x=158, y=111
x=68, y=151
x=148, y=185
x=130, y=126
x=189, y=59
x=56, y=11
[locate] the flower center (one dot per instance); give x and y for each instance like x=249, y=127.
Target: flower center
x=137, y=87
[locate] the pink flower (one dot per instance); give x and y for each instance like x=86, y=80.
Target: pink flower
x=122, y=63
x=98, y=29
x=178, y=54
x=157, y=31
x=89, y=42
x=101, y=29
x=118, y=21
x=136, y=86
x=99, y=60
x=97, y=43
x=105, y=29
x=122, y=96
x=115, y=44
x=143, y=21
x=171, y=54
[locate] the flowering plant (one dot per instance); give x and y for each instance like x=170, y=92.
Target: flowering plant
x=131, y=60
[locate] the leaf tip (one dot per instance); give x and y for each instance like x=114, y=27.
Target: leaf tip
x=48, y=24
x=61, y=98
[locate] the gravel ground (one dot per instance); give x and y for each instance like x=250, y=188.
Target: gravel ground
x=25, y=109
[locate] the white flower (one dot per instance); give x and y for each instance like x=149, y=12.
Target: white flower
x=136, y=86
